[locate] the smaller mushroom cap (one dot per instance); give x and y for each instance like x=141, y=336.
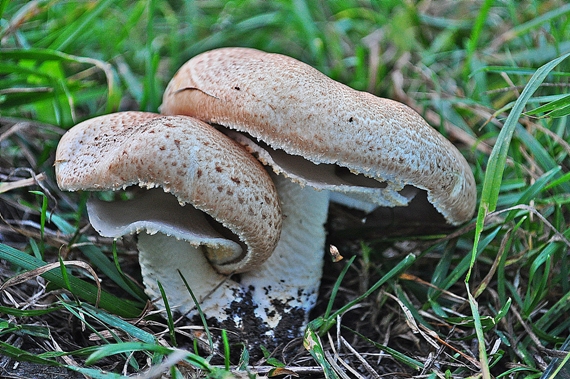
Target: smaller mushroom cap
x=292, y=107
x=187, y=158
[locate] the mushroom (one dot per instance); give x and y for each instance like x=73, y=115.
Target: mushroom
x=363, y=150
x=217, y=213
x=384, y=150
x=322, y=140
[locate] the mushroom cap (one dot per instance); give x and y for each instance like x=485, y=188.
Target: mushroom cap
x=291, y=106
x=188, y=159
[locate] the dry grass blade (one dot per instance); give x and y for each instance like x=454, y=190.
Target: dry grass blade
x=24, y=277
x=164, y=366
x=565, y=145
x=558, y=236
x=9, y=186
x=429, y=335
x=528, y=329
x=365, y=363
x=17, y=127
x=336, y=367
x=450, y=294
x=335, y=358
x=487, y=279
x=287, y=370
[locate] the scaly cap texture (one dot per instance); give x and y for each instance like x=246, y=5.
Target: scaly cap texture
x=188, y=159
x=291, y=106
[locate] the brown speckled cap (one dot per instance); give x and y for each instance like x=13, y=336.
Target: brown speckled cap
x=291, y=106
x=188, y=159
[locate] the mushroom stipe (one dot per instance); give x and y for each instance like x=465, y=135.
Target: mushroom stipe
x=322, y=141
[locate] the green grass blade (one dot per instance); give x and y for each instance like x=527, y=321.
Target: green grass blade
x=135, y=288
x=202, y=316
x=465, y=263
x=473, y=40
x=3, y=4
x=324, y=324
x=336, y=287
x=312, y=343
x=150, y=99
x=93, y=373
x=539, y=20
x=226, y=344
x=393, y=273
x=8, y=327
x=492, y=183
x=129, y=347
x=40, y=56
x=70, y=34
x=498, y=156
x=99, y=259
x=483, y=358
x=400, y=357
x=25, y=356
x=553, y=314
x=544, y=159
x=561, y=102
x=169, y=318
x=118, y=323
x=497, y=159
x=559, y=368
x=125, y=347
x=80, y=288
x=102, y=262
x=28, y=312
x=65, y=276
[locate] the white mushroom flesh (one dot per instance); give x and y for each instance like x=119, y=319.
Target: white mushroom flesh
x=215, y=292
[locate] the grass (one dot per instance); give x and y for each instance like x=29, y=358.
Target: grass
x=489, y=299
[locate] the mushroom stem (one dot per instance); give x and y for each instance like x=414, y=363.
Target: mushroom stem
x=285, y=287
x=214, y=291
